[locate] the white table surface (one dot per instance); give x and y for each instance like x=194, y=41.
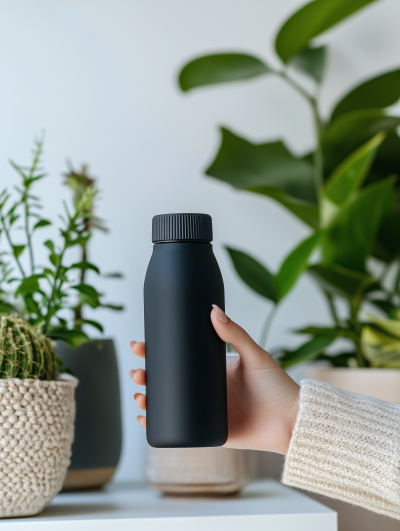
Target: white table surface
x=262, y=505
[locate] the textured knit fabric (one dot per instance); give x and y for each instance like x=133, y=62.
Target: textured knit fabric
x=346, y=446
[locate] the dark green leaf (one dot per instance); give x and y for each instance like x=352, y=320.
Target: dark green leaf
x=74, y=338
x=350, y=236
x=312, y=20
x=88, y=294
x=350, y=174
x=18, y=250
x=112, y=275
x=5, y=307
x=378, y=92
x=294, y=265
x=84, y=266
x=387, y=160
x=349, y=131
x=54, y=259
x=387, y=307
x=254, y=274
x=311, y=61
x=326, y=331
x=220, y=68
x=95, y=324
x=387, y=243
x=41, y=223
x=115, y=307
x=305, y=211
x=307, y=352
x=245, y=165
x=338, y=360
x=341, y=281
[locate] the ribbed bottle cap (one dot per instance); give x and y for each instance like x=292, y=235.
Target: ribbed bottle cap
x=175, y=227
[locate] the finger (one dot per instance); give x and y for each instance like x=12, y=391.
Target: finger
x=232, y=333
x=142, y=420
x=138, y=348
x=140, y=400
x=138, y=376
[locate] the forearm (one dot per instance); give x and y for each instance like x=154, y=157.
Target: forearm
x=346, y=446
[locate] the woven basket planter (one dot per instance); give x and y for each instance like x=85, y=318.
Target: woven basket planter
x=36, y=433
x=210, y=471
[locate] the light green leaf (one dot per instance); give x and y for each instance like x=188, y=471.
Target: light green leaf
x=349, y=238
x=378, y=92
x=50, y=245
x=307, y=212
x=74, y=338
x=254, y=274
x=18, y=250
x=310, y=61
x=220, y=68
x=246, y=165
x=390, y=326
x=312, y=20
x=95, y=324
x=28, y=285
x=308, y=351
x=294, y=265
x=380, y=349
x=350, y=174
x=338, y=280
x=41, y=223
x=112, y=275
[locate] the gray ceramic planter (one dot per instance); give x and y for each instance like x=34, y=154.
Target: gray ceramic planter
x=98, y=432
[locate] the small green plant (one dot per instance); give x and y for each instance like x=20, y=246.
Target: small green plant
x=25, y=352
x=345, y=190
x=51, y=296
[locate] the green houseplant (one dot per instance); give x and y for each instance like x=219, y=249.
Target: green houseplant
x=37, y=414
x=346, y=191
x=53, y=299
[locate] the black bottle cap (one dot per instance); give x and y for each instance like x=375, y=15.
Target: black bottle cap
x=182, y=227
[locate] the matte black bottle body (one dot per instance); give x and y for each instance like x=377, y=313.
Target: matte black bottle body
x=185, y=358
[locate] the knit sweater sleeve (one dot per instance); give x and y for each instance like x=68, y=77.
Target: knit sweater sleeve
x=346, y=446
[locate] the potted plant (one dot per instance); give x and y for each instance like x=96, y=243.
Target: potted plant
x=345, y=191
x=37, y=411
x=52, y=298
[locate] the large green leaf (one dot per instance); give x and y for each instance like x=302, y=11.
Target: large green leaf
x=307, y=352
x=246, y=165
x=88, y=294
x=387, y=159
x=390, y=326
x=307, y=212
x=294, y=265
x=387, y=243
x=380, y=349
x=310, y=61
x=254, y=274
x=74, y=338
x=350, y=174
x=220, y=68
x=378, y=92
x=312, y=20
x=338, y=280
x=349, y=238
x=349, y=131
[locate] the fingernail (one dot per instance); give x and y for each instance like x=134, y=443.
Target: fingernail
x=131, y=343
x=135, y=395
x=221, y=314
x=131, y=372
x=138, y=418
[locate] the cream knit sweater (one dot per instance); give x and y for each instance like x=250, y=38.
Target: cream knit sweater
x=346, y=446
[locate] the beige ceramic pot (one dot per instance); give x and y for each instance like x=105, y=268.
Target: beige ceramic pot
x=378, y=383
x=197, y=470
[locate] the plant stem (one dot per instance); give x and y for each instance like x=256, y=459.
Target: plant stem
x=332, y=308
x=267, y=325
x=318, y=128
x=7, y=233
x=28, y=235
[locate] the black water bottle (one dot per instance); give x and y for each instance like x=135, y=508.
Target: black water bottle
x=185, y=358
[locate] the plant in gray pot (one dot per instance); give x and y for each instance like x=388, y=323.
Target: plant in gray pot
x=52, y=297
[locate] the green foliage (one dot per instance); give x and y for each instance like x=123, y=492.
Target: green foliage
x=25, y=352
x=46, y=295
x=346, y=190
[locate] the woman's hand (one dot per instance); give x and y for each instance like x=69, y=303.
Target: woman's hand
x=262, y=398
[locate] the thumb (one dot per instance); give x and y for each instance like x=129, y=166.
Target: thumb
x=232, y=333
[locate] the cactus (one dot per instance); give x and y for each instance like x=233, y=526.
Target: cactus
x=24, y=351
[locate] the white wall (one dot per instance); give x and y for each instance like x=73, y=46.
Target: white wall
x=100, y=77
